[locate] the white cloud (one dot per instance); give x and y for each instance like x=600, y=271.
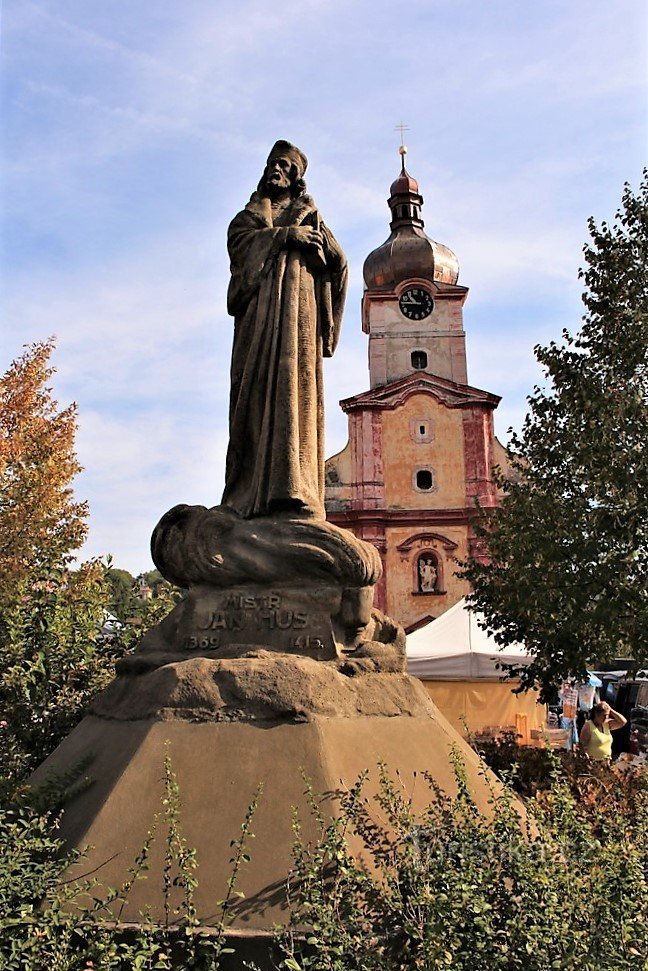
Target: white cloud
x=135, y=133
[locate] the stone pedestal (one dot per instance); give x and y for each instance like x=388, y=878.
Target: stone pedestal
x=301, y=587
x=274, y=667
x=228, y=726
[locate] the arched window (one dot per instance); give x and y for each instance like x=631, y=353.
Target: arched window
x=419, y=360
x=424, y=480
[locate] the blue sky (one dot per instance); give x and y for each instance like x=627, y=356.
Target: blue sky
x=133, y=132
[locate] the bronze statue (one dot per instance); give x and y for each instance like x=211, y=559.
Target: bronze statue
x=286, y=294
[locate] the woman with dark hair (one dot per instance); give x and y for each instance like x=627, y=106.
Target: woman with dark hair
x=596, y=736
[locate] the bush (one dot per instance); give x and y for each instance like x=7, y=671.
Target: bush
x=564, y=887
x=55, y=657
x=48, y=924
x=453, y=889
x=600, y=791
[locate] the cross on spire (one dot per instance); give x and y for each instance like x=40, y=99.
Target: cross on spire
x=403, y=148
x=402, y=129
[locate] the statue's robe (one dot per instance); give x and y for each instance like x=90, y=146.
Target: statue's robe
x=287, y=307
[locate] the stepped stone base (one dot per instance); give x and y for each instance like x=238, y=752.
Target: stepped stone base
x=219, y=764
x=273, y=669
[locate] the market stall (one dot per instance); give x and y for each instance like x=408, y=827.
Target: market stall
x=460, y=666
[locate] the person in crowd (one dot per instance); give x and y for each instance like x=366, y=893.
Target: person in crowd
x=596, y=736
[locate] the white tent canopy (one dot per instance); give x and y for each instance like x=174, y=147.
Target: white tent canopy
x=455, y=648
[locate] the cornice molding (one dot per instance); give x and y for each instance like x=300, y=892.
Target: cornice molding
x=440, y=290
x=406, y=546
x=423, y=518
x=393, y=395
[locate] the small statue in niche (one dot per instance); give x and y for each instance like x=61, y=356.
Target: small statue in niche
x=427, y=574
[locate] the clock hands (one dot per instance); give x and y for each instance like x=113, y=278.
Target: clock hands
x=408, y=297
x=416, y=303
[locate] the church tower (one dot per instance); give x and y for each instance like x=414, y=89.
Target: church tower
x=421, y=446
x=412, y=308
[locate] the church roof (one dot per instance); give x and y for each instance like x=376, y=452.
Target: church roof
x=404, y=184
x=395, y=393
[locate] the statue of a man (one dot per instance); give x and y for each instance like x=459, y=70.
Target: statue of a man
x=286, y=294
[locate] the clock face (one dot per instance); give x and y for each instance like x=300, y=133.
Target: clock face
x=415, y=303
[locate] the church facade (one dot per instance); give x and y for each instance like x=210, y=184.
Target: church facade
x=421, y=448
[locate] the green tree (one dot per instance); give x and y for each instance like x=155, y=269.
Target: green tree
x=569, y=545
x=122, y=591
x=54, y=658
x=51, y=615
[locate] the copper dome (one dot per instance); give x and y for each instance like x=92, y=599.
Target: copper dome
x=408, y=253
x=403, y=184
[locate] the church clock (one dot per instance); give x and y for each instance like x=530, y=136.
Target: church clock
x=415, y=303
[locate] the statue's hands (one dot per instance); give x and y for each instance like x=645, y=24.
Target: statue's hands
x=306, y=238
x=310, y=242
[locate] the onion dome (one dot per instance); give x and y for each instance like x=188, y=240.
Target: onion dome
x=408, y=253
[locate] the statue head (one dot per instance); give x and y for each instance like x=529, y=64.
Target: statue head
x=284, y=170
x=355, y=608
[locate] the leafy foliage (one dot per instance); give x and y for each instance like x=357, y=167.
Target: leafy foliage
x=445, y=888
x=52, y=662
x=533, y=771
x=568, y=570
x=40, y=523
x=130, y=596
x=44, y=923
x=55, y=656
x=121, y=584
x=451, y=888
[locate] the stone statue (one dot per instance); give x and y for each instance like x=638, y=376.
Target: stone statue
x=286, y=294
x=427, y=575
x=274, y=665
x=264, y=569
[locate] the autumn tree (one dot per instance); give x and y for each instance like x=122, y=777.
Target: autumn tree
x=56, y=650
x=568, y=574
x=41, y=524
x=51, y=615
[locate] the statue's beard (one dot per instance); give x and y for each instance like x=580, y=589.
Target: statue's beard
x=277, y=191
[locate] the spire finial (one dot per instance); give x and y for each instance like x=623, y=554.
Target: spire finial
x=403, y=148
